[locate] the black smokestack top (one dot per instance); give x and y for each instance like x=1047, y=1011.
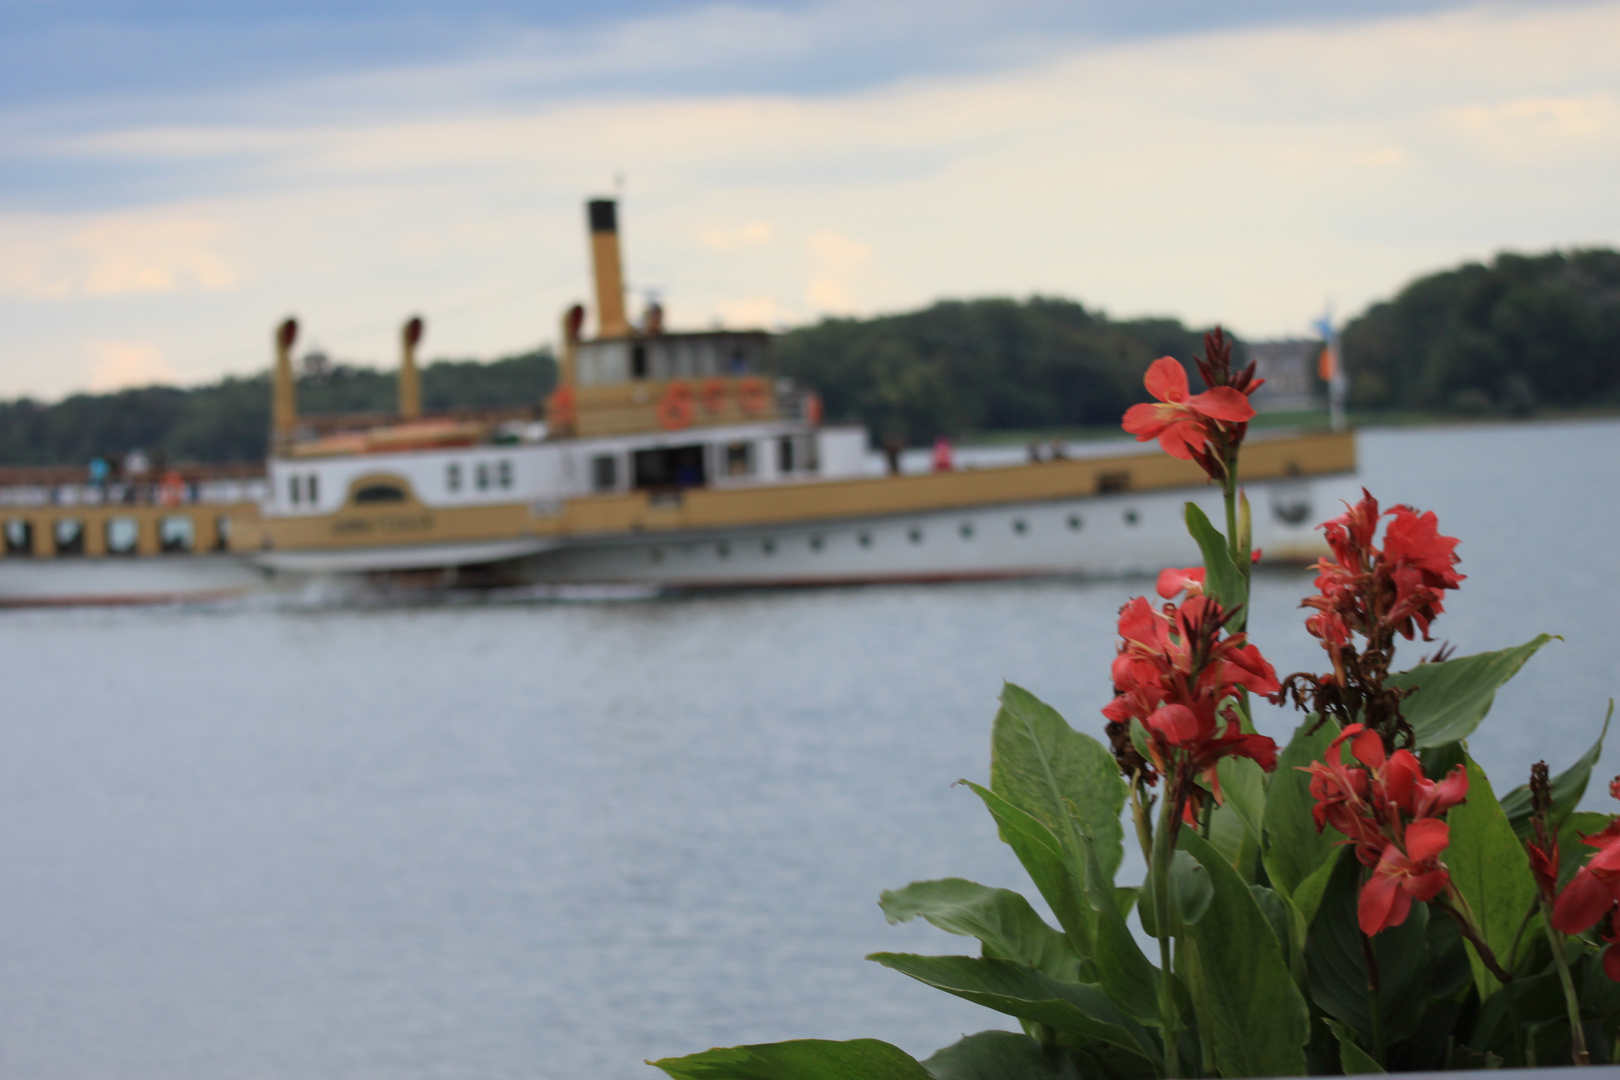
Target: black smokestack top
x=604, y=215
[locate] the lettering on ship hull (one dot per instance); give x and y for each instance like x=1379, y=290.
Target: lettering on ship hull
x=391, y=524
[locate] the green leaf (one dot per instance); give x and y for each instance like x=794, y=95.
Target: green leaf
x=1255, y=1013
x=1080, y=1010
x=1308, y=897
x=1126, y=976
x=1222, y=579
x=800, y=1059
x=1190, y=890
x=1453, y=696
x=1000, y=918
x=1336, y=965
x=1000, y=1055
x=1041, y=854
x=1243, y=785
x=1490, y=869
x=1352, y=1058
x=1567, y=787
x=1294, y=847
x=1037, y=761
x=1288, y=925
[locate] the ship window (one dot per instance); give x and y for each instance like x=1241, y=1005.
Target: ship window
x=638, y=361
x=482, y=476
x=769, y=547
x=123, y=534
x=1131, y=518
x=294, y=489
x=313, y=487
x=739, y=360
x=669, y=467
x=816, y=543
x=452, y=476
x=966, y=530
x=1020, y=526
x=19, y=537
x=739, y=458
x=1074, y=522
x=373, y=494
x=916, y=535
x=503, y=474
x=723, y=549
x=865, y=539
x=69, y=536
x=784, y=454
x=222, y=532
x=656, y=554
x=604, y=472
x=177, y=535
x=1112, y=483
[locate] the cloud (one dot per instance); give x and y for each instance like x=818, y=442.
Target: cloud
x=1241, y=175
x=718, y=238
x=118, y=365
x=112, y=255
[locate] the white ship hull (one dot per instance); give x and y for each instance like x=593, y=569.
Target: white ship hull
x=73, y=581
x=1102, y=535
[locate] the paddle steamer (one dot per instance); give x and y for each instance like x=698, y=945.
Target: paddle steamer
x=679, y=460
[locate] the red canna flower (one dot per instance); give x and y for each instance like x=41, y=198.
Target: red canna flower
x=1179, y=673
x=1172, y=581
x=1185, y=424
x=1384, y=805
x=1595, y=888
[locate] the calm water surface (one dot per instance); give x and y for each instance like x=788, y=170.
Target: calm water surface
x=551, y=840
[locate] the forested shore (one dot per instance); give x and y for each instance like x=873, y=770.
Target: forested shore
x=1523, y=335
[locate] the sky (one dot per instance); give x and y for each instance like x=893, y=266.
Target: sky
x=175, y=178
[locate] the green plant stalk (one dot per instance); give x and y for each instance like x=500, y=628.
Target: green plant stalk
x=1577, y=1036
x=1162, y=854
x=1373, y=1016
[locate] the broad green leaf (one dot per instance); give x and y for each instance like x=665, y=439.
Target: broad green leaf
x=1000, y=1055
x=1037, y=761
x=1567, y=787
x=1080, y=1010
x=1289, y=926
x=1000, y=918
x=1227, y=834
x=1336, y=965
x=800, y=1059
x=1490, y=869
x=1308, y=897
x=1126, y=976
x=1256, y=1016
x=1190, y=890
x=1222, y=579
x=1125, y=898
x=1294, y=847
x=1243, y=785
x=1041, y=854
x=1453, y=696
x=1352, y=1058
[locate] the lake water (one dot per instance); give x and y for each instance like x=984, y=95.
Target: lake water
x=553, y=839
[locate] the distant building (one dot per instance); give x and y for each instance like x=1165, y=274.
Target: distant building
x=1287, y=368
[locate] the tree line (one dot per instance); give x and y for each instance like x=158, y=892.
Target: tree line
x=1519, y=334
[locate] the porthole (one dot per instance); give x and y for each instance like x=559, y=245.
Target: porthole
x=1074, y=522
x=916, y=535
x=656, y=554
x=768, y=547
x=1020, y=526
x=723, y=550
x=864, y=539
x=815, y=543
x=1131, y=517
x=966, y=529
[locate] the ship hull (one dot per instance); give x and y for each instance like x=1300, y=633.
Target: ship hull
x=1101, y=535
x=75, y=581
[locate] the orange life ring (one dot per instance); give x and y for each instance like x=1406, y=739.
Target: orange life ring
x=675, y=409
x=172, y=491
x=713, y=395
x=753, y=395
x=561, y=410
x=812, y=409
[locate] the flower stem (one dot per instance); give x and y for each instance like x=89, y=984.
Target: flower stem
x=1373, y=1012
x=1577, y=1036
x=1162, y=854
